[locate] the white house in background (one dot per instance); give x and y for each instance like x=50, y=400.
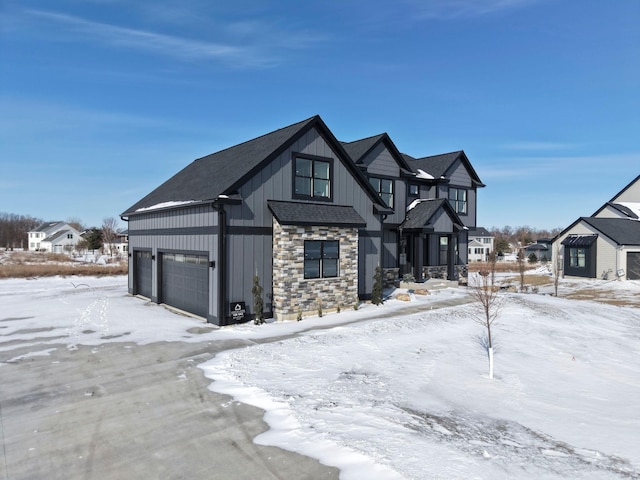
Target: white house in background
x=119, y=246
x=480, y=244
x=55, y=237
x=607, y=244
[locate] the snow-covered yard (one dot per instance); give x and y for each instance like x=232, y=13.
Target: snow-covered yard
x=401, y=395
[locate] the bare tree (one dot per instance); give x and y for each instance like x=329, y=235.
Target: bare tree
x=556, y=268
x=490, y=303
x=109, y=232
x=522, y=267
x=76, y=223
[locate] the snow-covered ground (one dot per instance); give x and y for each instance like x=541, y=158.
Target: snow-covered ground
x=401, y=395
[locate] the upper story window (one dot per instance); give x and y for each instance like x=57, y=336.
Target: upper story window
x=458, y=199
x=70, y=236
x=414, y=190
x=384, y=187
x=312, y=177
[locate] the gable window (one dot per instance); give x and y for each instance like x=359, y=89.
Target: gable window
x=384, y=187
x=458, y=200
x=312, y=178
x=414, y=190
x=577, y=257
x=321, y=258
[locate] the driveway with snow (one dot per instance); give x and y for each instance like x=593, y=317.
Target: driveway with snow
x=97, y=384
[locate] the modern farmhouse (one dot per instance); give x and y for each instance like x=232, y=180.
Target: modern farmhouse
x=307, y=216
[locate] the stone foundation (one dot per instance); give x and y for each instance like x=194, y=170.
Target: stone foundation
x=295, y=296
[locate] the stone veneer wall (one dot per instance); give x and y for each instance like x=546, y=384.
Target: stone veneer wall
x=292, y=293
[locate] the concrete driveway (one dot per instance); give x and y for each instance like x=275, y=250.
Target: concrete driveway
x=125, y=411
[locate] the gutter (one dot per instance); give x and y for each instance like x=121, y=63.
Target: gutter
x=222, y=261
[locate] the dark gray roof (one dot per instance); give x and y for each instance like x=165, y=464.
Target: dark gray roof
x=438, y=165
x=46, y=226
x=420, y=216
x=303, y=213
x=358, y=148
x=208, y=177
x=479, y=232
x=579, y=240
x=621, y=230
x=56, y=235
x=623, y=209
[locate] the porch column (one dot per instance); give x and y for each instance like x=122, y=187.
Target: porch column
x=418, y=260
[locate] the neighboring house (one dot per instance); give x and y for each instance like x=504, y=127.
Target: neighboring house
x=310, y=216
x=607, y=244
x=541, y=249
x=119, y=245
x=55, y=237
x=480, y=244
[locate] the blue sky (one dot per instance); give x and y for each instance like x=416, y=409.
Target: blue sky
x=103, y=100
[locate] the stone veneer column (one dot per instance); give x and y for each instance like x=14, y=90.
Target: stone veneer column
x=292, y=293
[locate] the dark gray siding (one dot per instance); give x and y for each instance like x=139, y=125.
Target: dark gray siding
x=275, y=182
x=189, y=229
x=460, y=178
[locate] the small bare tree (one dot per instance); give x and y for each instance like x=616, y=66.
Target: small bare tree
x=556, y=268
x=487, y=298
x=522, y=267
x=109, y=232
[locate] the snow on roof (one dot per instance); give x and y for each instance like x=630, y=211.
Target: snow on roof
x=423, y=174
x=165, y=205
x=633, y=206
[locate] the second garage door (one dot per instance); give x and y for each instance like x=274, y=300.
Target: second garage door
x=633, y=265
x=185, y=282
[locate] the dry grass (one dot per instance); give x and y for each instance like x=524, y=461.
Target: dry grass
x=40, y=264
x=501, y=267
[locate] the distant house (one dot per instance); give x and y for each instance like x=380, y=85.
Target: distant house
x=607, y=244
x=480, y=244
x=54, y=237
x=311, y=217
x=541, y=249
x=119, y=245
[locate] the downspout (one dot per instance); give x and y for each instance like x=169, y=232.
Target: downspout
x=222, y=261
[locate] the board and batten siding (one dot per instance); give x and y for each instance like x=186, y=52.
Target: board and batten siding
x=275, y=182
x=632, y=194
x=460, y=178
x=189, y=229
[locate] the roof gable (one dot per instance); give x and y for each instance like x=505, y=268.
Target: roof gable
x=422, y=213
x=222, y=173
x=359, y=149
x=438, y=166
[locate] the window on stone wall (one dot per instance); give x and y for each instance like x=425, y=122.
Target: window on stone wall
x=321, y=258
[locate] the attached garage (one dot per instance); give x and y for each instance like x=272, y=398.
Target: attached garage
x=633, y=265
x=185, y=282
x=143, y=272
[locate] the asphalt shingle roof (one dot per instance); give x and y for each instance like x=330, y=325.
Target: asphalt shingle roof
x=208, y=177
x=302, y=213
x=358, y=148
x=621, y=230
x=420, y=215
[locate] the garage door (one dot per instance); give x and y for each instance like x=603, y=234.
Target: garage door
x=633, y=265
x=185, y=282
x=143, y=273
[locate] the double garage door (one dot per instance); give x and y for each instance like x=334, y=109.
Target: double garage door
x=185, y=282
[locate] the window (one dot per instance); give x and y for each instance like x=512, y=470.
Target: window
x=70, y=236
x=577, y=257
x=458, y=199
x=444, y=250
x=321, y=258
x=312, y=178
x=414, y=190
x=486, y=240
x=384, y=187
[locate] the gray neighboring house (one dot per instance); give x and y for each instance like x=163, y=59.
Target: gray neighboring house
x=607, y=244
x=310, y=216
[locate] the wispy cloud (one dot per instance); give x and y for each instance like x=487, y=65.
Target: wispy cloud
x=180, y=48
x=446, y=9
x=537, y=146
